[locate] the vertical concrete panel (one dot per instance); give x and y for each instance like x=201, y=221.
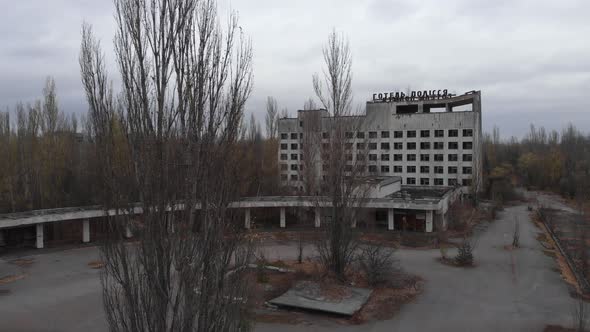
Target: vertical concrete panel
x=429, y=221
x=317, y=217
x=247, y=219
x=39, y=240
x=85, y=230
x=128, y=233
x=283, y=222
x=390, y=224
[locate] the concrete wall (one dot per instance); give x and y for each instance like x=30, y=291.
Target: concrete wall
x=383, y=117
x=381, y=191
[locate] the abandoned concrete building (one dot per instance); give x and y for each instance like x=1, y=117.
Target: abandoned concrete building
x=430, y=141
x=423, y=152
x=407, y=138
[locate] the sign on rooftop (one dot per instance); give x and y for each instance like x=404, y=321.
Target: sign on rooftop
x=412, y=95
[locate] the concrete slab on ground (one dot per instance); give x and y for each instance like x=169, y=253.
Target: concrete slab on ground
x=308, y=295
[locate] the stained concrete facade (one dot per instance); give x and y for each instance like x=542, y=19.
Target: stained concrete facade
x=404, y=138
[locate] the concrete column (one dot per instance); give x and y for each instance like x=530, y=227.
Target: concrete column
x=247, y=219
x=390, y=224
x=317, y=217
x=428, y=221
x=85, y=230
x=39, y=231
x=128, y=233
x=283, y=223
x=171, y=222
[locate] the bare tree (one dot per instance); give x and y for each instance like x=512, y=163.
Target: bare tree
x=335, y=90
x=50, y=109
x=168, y=142
x=284, y=113
x=7, y=163
x=272, y=118
x=342, y=185
x=309, y=104
x=253, y=128
x=579, y=315
x=311, y=149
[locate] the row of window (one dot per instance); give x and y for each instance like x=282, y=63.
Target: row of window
x=396, y=169
x=396, y=146
x=412, y=157
x=396, y=157
x=423, y=169
x=438, y=182
x=396, y=134
x=293, y=135
x=409, y=181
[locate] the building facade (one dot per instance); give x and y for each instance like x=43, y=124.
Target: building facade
x=427, y=141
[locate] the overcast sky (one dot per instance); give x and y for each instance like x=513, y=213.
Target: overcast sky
x=530, y=58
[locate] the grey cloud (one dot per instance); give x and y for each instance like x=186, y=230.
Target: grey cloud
x=529, y=58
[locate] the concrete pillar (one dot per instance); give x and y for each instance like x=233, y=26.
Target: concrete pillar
x=283, y=223
x=85, y=230
x=39, y=231
x=128, y=233
x=247, y=219
x=172, y=225
x=390, y=224
x=317, y=217
x=428, y=221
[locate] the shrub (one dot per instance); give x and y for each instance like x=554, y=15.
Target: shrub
x=261, y=276
x=378, y=264
x=465, y=255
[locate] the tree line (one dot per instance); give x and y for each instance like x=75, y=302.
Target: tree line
x=48, y=158
x=544, y=160
x=44, y=162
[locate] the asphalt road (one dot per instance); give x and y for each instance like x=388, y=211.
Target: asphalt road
x=515, y=290
x=508, y=290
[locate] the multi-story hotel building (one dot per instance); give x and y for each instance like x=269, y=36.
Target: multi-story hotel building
x=424, y=140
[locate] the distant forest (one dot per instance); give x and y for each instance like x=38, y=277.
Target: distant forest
x=553, y=161
x=48, y=160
